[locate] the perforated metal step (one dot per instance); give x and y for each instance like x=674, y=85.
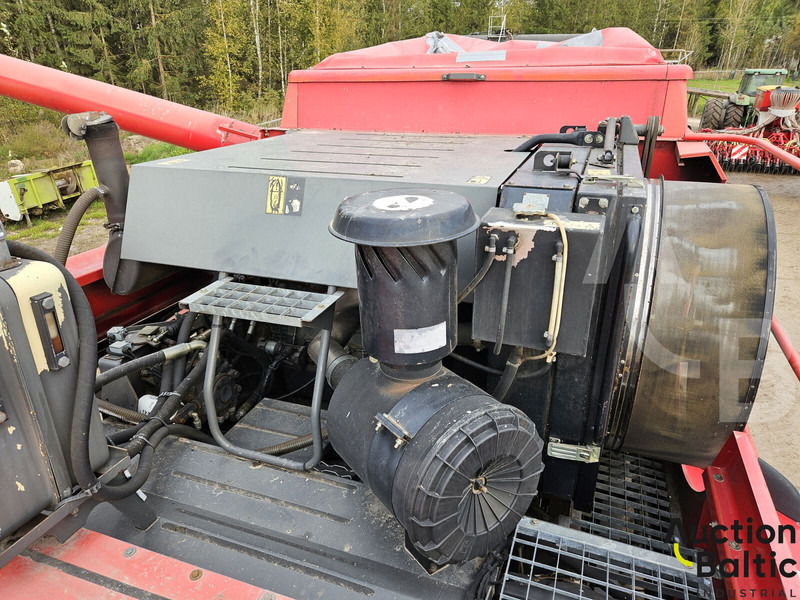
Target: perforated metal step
x=280, y=306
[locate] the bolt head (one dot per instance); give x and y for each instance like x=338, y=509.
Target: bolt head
x=195, y=575
x=129, y=551
x=718, y=477
x=63, y=362
x=3, y=417
x=635, y=210
x=734, y=545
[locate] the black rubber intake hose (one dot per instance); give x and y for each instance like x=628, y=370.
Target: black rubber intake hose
x=79, y=208
x=87, y=366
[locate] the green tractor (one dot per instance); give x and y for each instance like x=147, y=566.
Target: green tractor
x=737, y=110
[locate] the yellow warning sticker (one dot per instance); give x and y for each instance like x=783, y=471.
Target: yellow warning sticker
x=276, y=194
x=479, y=179
x=285, y=195
x=597, y=172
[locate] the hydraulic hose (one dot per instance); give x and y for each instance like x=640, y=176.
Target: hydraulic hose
x=501, y=324
x=139, y=478
x=184, y=332
x=87, y=366
x=150, y=360
x=491, y=251
x=173, y=401
x=84, y=390
x=79, y=208
x=509, y=373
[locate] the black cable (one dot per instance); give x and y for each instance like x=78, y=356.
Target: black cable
x=293, y=392
x=485, y=579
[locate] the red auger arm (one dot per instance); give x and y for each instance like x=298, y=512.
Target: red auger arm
x=133, y=111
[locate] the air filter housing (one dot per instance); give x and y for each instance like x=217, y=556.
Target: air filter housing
x=457, y=468
x=406, y=260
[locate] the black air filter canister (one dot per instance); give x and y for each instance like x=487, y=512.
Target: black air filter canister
x=406, y=262
x=456, y=467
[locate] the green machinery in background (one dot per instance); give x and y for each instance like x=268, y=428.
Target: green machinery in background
x=24, y=195
x=736, y=111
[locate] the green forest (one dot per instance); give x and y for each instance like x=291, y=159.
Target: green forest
x=233, y=56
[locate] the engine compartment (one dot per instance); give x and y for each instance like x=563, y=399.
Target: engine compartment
x=408, y=343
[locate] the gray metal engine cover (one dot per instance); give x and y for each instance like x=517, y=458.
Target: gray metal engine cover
x=263, y=208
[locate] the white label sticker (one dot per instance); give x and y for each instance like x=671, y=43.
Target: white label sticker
x=425, y=339
x=404, y=202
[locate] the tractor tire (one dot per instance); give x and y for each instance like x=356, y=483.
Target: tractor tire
x=713, y=114
x=734, y=115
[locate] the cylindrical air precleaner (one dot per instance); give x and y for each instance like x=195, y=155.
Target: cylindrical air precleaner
x=406, y=261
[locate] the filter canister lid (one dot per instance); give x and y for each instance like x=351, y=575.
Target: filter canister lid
x=403, y=217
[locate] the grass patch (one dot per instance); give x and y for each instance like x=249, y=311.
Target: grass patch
x=49, y=224
x=40, y=145
x=722, y=85
x=155, y=151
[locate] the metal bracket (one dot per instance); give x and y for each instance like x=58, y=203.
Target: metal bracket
x=394, y=427
x=633, y=182
x=586, y=454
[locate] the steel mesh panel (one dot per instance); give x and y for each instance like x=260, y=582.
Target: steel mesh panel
x=631, y=503
x=548, y=561
x=263, y=303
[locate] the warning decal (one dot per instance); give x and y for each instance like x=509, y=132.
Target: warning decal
x=284, y=195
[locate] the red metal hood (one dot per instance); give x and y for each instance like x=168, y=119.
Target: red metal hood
x=612, y=46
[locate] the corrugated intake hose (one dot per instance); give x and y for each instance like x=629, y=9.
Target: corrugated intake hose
x=124, y=414
x=296, y=444
x=73, y=219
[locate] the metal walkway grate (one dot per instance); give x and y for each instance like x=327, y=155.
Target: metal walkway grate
x=279, y=306
x=631, y=503
x=550, y=561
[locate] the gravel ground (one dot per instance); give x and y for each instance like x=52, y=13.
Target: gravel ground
x=775, y=421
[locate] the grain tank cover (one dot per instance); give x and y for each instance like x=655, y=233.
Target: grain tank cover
x=391, y=218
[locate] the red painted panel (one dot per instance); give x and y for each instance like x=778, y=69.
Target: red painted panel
x=737, y=493
x=107, y=557
x=491, y=107
x=87, y=267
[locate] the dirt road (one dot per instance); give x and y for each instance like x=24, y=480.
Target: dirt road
x=775, y=421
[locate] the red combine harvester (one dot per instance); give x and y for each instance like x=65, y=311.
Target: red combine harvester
x=479, y=321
